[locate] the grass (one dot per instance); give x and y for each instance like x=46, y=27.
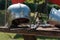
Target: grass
x=13, y=36
x=9, y=36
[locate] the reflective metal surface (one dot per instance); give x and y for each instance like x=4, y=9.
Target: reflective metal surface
x=17, y=11
x=55, y=14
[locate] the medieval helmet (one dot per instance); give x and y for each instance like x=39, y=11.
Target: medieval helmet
x=18, y=13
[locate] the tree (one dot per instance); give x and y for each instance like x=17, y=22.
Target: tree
x=2, y=4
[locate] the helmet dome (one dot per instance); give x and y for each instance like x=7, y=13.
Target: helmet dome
x=19, y=10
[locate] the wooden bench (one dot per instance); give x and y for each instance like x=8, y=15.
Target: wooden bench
x=31, y=34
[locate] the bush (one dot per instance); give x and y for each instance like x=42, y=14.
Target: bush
x=31, y=5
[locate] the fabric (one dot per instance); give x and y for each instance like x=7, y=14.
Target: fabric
x=55, y=1
x=17, y=1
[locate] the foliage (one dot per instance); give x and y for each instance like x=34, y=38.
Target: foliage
x=3, y=4
x=2, y=17
x=31, y=5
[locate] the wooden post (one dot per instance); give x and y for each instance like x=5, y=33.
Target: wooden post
x=29, y=37
x=6, y=3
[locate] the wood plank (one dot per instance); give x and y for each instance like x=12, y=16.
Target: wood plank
x=38, y=32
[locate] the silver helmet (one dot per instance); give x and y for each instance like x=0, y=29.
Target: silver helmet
x=17, y=14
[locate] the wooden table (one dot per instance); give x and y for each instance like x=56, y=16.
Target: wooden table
x=31, y=34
